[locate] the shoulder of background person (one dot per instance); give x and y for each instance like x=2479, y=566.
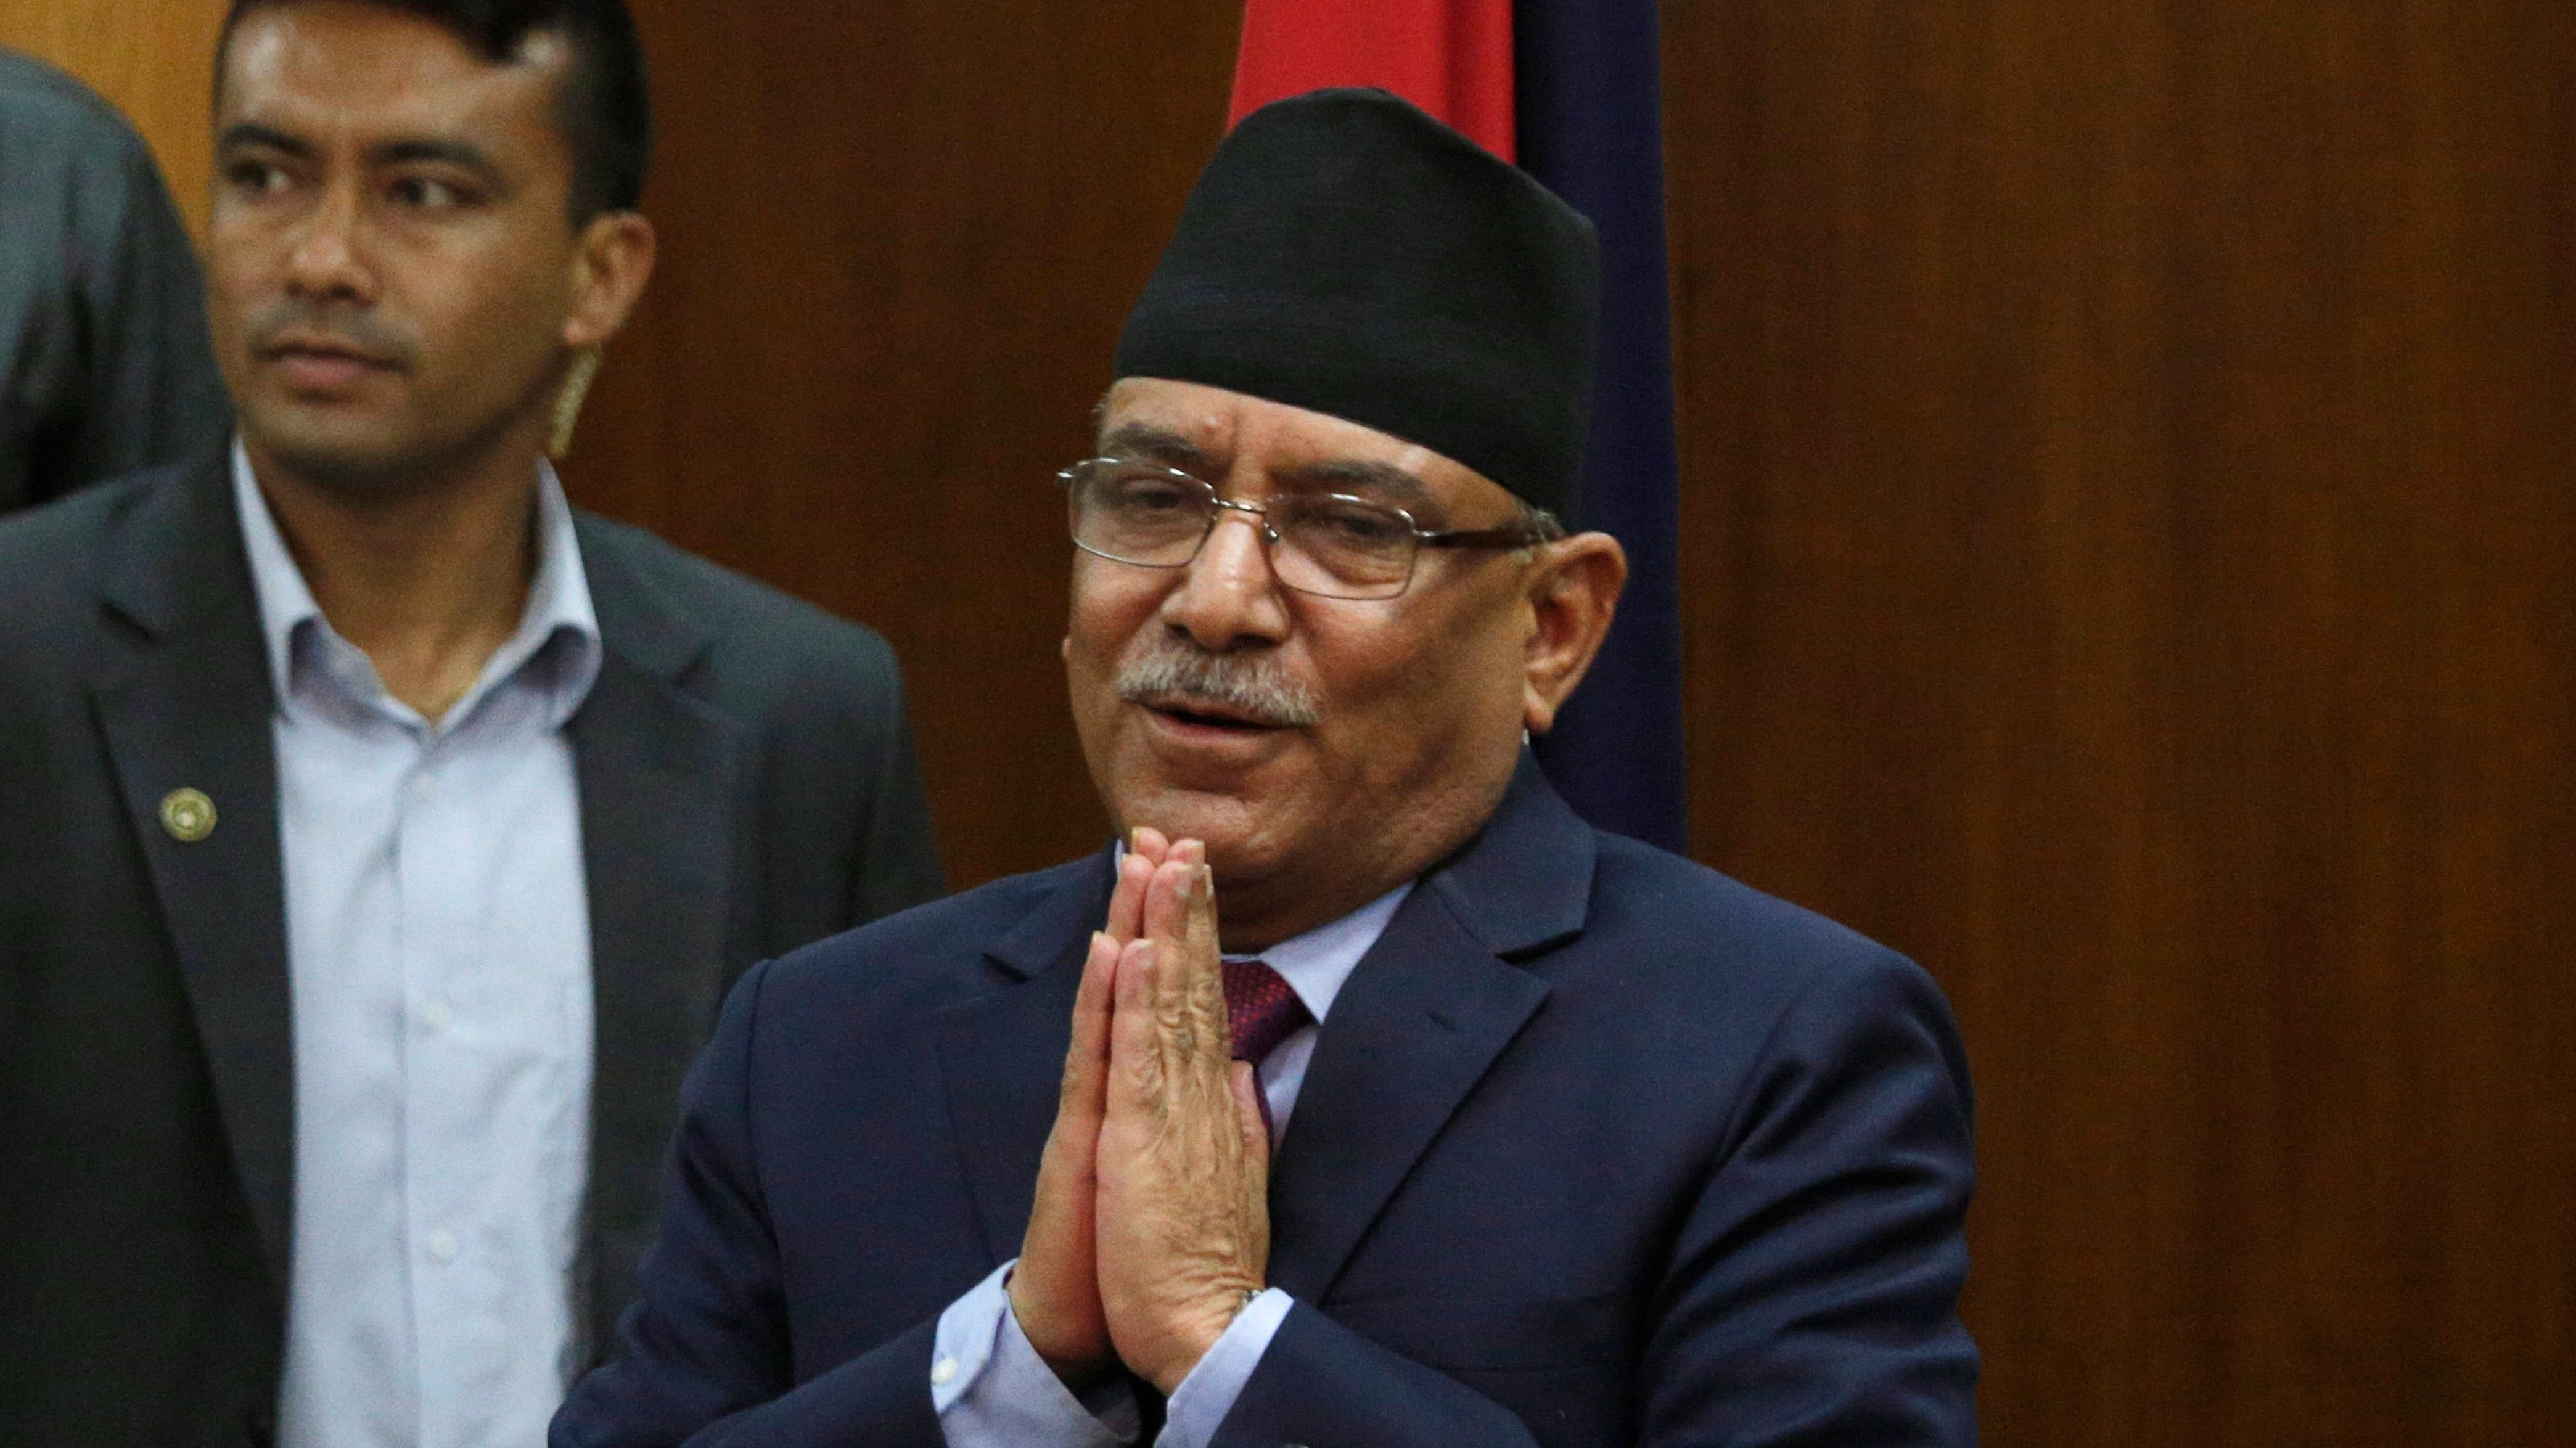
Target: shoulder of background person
x=761, y=639
x=51, y=556
x=42, y=101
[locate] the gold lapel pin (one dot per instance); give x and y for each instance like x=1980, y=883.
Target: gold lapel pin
x=188, y=815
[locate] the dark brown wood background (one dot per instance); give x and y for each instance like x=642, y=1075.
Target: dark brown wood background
x=2134, y=547
x=2130, y=548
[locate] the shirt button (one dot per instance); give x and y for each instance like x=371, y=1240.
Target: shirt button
x=943, y=1372
x=424, y=787
x=442, y=1246
x=436, y=1015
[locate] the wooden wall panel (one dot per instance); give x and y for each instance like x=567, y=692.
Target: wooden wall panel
x=152, y=58
x=2131, y=547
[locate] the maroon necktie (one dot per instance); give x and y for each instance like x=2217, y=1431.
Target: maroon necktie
x=1260, y=1012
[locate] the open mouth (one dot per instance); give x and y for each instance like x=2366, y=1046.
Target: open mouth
x=1206, y=714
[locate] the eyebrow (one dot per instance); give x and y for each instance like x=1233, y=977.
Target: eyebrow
x=251, y=133
x=384, y=153
x=1146, y=442
x=1385, y=478
x=452, y=153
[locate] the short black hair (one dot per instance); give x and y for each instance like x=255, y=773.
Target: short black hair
x=606, y=108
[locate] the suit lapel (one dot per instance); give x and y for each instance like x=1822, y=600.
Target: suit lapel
x=183, y=697
x=1421, y=1020
x=1001, y=1054
x=657, y=771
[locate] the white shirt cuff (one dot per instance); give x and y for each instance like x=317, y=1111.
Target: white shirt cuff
x=992, y=1390
x=1200, y=1404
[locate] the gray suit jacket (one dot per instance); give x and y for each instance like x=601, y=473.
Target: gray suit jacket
x=747, y=784
x=104, y=365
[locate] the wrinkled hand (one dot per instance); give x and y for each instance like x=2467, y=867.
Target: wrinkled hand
x=1055, y=1290
x=1182, y=1220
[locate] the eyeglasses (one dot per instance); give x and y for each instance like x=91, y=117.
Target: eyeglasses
x=1332, y=545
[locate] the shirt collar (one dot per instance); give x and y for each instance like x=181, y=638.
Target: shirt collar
x=558, y=597
x=284, y=601
x=1316, y=964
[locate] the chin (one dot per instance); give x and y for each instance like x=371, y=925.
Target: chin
x=1237, y=829
x=359, y=462
x=299, y=438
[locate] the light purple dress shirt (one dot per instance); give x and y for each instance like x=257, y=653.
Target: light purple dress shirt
x=991, y=1388
x=438, y=953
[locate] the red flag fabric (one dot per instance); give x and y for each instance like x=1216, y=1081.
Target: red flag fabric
x=1453, y=58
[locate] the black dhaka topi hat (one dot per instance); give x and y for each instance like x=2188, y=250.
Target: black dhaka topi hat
x=1346, y=253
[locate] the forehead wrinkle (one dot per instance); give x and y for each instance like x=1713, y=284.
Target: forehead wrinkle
x=1239, y=439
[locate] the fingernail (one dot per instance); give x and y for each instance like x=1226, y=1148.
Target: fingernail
x=1136, y=837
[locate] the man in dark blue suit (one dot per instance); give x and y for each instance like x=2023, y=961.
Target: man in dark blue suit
x=1576, y=1142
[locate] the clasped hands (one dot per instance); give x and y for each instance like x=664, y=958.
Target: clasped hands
x=1151, y=1226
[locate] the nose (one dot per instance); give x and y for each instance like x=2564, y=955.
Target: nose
x=324, y=260
x=1228, y=598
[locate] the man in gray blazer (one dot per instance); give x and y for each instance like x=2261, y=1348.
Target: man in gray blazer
x=378, y=835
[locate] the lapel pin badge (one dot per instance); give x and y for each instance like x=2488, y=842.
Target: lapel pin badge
x=188, y=815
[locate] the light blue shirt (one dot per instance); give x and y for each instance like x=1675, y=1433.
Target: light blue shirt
x=438, y=953
x=991, y=1388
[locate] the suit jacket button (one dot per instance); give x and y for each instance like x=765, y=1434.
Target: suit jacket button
x=259, y=1427
x=188, y=815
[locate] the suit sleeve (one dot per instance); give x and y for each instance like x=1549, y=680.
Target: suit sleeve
x=898, y=865
x=1814, y=1288
x=1810, y=1297
x=706, y=1356
x=151, y=393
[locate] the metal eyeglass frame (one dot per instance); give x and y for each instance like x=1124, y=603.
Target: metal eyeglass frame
x=1514, y=535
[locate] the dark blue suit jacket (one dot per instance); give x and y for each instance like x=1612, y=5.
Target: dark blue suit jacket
x=1597, y=1147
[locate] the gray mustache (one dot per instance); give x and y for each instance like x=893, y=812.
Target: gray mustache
x=1167, y=671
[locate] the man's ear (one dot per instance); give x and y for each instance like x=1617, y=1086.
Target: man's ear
x=1573, y=592
x=611, y=263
